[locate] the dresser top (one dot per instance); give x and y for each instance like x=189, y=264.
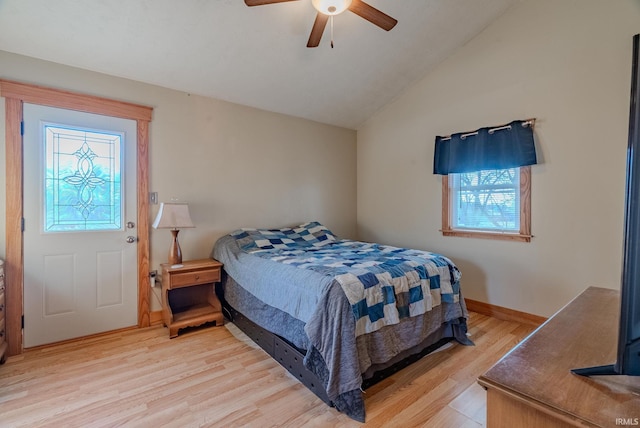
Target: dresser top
x=583, y=334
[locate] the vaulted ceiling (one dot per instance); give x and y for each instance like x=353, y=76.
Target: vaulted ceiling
x=255, y=56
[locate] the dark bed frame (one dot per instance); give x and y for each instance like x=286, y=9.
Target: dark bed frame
x=291, y=357
x=280, y=350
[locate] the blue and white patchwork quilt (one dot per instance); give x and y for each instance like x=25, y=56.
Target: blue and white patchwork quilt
x=382, y=283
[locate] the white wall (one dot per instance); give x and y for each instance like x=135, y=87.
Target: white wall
x=236, y=166
x=566, y=63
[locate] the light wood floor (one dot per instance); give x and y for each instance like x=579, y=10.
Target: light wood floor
x=208, y=377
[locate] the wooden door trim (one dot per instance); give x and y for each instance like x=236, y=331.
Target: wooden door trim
x=34, y=94
x=15, y=94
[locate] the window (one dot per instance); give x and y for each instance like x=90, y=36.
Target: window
x=486, y=181
x=488, y=204
x=82, y=184
x=486, y=200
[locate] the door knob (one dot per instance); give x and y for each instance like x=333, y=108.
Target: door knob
x=131, y=239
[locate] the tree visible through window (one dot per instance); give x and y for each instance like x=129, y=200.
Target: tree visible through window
x=489, y=204
x=487, y=200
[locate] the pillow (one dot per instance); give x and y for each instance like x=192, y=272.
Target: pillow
x=312, y=234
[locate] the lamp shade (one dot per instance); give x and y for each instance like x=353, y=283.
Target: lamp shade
x=173, y=216
x=331, y=7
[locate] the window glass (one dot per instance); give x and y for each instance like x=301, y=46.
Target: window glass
x=486, y=200
x=83, y=184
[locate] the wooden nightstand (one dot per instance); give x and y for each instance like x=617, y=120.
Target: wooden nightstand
x=188, y=297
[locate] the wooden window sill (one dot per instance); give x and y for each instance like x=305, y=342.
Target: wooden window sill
x=487, y=235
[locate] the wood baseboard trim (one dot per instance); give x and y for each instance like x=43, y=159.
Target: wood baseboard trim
x=155, y=317
x=504, y=313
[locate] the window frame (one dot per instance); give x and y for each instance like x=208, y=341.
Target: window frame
x=524, y=235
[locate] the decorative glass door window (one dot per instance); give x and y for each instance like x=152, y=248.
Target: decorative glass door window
x=83, y=183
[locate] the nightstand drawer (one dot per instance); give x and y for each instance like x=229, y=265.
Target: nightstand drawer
x=193, y=278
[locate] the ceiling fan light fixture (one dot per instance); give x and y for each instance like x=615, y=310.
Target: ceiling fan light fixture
x=331, y=7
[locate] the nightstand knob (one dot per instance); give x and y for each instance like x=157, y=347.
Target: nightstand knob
x=197, y=277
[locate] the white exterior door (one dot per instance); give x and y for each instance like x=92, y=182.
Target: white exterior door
x=80, y=256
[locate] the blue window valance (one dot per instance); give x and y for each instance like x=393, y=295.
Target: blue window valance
x=501, y=147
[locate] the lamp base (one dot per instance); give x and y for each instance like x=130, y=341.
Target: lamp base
x=175, y=254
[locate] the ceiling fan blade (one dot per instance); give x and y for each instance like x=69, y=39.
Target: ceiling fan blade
x=317, y=30
x=372, y=15
x=261, y=2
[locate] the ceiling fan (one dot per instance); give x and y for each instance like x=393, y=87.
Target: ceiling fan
x=329, y=8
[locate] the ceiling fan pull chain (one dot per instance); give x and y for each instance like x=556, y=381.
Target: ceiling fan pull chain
x=331, y=31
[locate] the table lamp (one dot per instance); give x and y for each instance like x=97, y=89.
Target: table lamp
x=173, y=216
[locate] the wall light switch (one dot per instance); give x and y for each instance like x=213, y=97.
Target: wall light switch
x=153, y=198
x=153, y=275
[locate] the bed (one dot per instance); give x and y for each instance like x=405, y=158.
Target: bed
x=339, y=314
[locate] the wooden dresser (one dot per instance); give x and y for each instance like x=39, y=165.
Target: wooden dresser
x=3, y=311
x=532, y=386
